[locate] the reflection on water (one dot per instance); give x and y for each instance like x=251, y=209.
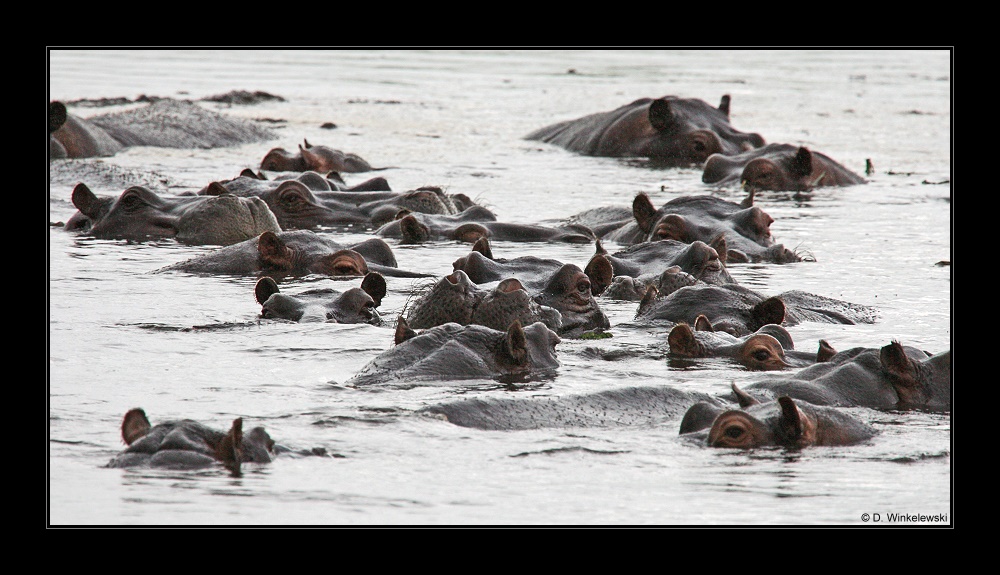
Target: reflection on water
x=185, y=345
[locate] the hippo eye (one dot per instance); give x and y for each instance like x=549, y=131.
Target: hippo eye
x=583, y=287
x=761, y=355
x=734, y=432
x=130, y=201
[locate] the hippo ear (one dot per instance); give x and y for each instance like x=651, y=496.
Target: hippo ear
x=57, y=115
x=336, y=177
x=134, y=425
x=470, y=233
x=599, y=248
x=312, y=160
x=719, y=245
x=791, y=419
x=771, y=310
x=748, y=201
x=374, y=285
x=273, y=252
x=699, y=416
x=647, y=299
x=85, y=200
x=403, y=331
x=248, y=173
x=898, y=365
x=265, y=288
x=413, y=232
x=702, y=323
x=825, y=352
x=743, y=398
x=516, y=344
x=801, y=163
x=753, y=222
x=682, y=342
x=724, y=105
x=509, y=285
x=644, y=212
x=306, y=142
x=215, y=189
x=661, y=117
x=600, y=272
x=482, y=246
x=229, y=450
x=402, y=213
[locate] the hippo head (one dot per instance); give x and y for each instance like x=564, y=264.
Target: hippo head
x=924, y=384
x=751, y=222
x=756, y=352
x=356, y=305
x=571, y=292
x=296, y=207
x=786, y=423
x=140, y=214
x=689, y=131
x=325, y=159
x=452, y=299
x=508, y=302
x=281, y=160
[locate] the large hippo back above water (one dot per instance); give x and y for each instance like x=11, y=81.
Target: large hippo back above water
x=669, y=130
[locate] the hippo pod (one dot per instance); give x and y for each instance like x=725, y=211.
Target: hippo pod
x=187, y=444
x=296, y=253
x=783, y=423
x=667, y=265
x=250, y=183
x=891, y=377
x=166, y=123
x=455, y=352
x=551, y=283
x=778, y=167
x=316, y=158
x=768, y=348
x=139, y=214
x=670, y=130
x=745, y=228
x=739, y=311
x=356, y=305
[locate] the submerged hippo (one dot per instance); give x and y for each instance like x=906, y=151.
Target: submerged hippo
x=551, y=283
x=767, y=349
x=739, y=311
x=778, y=167
x=745, y=228
x=783, y=423
x=140, y=214
x=316, y=158
x=166, y=123
x=73, y=137
x=474, y=224
x=250, y=183
x=455, y=299
x=625, y=406
x=670, y=130
x=187, y=444
x=455, y=352
x=296, y=253
x=891, y=377
x=356, y=305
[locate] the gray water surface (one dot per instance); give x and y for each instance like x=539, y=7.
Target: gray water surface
x=120, y=337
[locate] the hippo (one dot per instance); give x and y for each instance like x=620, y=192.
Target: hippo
x=315, y=158
x=739, y=311
x=784, y=422
x=356, y=305
x=745, y=227
x=455, y=352
x=140, y=214
x=619, y=407
x=187, y=444
x=73, y=137
x=671, y=131
x=166, y=123
x=296, y=253
x=895, y=377
x=777, y=167
x=472, y=225
x=767, y=349
x=565, y=287
x=455, y=299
